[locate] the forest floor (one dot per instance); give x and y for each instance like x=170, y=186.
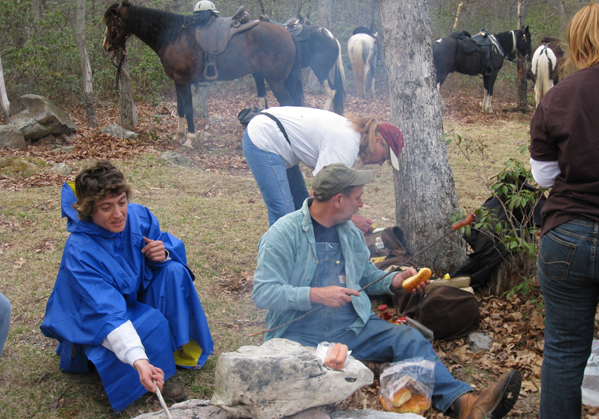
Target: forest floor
x=218, y=193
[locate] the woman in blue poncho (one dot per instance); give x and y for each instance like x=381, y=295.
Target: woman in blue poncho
x=124, y=297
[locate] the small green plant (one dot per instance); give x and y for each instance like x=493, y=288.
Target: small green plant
x=510, y=224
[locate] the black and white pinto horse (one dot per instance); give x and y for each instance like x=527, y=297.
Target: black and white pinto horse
x=545, y=66
x=320, y=51
x=362, y=50
x=448, y=58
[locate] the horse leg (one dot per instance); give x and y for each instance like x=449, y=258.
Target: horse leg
x=185, y=109
x=330, y=94
x=180, y=137
x=261, y=88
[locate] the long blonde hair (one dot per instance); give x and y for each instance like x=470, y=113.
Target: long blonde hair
x=367, y=127
x=582, y=35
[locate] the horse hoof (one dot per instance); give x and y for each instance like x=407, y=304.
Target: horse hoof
x=188, y=144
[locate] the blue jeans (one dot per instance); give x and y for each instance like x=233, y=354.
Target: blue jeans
x=5, y=310
x=379, y=341
x=283, y=190
x=568, y=269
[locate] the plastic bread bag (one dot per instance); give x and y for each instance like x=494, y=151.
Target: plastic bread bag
x=407, y=386
x=334, y=356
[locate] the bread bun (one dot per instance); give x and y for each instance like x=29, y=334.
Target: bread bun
x=388, y=407
x=401, y=396
x=412, y=282
x=419, y=403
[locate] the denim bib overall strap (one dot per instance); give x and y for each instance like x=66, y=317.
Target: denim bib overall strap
x=325, y=323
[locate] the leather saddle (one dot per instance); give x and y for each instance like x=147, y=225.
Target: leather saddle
x=214, y=38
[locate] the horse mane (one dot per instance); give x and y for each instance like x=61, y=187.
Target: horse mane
x=152, y=24
x=506, y=41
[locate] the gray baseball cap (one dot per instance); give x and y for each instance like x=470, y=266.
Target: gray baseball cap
x=334, y=178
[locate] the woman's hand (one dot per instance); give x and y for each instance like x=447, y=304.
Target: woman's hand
x=154, y=250
x=148, y=373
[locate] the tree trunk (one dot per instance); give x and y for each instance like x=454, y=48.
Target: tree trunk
x=200, y=100
x=457, y=16
x=424, y=189
x=128, y=113
x=88, y=91
x=324, y=13
x=4, y=103
x=521, y=66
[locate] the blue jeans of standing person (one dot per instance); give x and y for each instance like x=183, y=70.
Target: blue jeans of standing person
x=568, y=269
x=378, y=341
x=283, y=190
x=5, y=310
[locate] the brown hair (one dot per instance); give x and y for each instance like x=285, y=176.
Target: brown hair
x=582, y=35
x=94, y=183
x=367, y=127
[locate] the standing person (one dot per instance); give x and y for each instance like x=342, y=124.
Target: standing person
x=124, y=297
x=316, y=257
x=5, y=310
x=274, y=148
x=564, y=152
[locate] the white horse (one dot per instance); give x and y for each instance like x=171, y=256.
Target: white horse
x=544, y=69
x=362, y=50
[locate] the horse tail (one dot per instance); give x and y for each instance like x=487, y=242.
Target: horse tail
x=337, y=76
x=293, y=82
x=357, y=62
x=544, y=64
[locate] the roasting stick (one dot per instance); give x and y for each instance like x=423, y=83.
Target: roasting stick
x=467, y=221
x=162, y=403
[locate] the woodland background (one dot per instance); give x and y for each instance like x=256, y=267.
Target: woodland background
x=40, y=55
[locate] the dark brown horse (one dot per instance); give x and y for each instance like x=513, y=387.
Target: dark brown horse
x=266, y=47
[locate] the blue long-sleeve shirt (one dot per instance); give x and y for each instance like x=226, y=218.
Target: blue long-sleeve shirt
x=287, y=262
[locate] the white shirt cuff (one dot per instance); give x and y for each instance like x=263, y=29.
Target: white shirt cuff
x=125, y=343
x=545, y=172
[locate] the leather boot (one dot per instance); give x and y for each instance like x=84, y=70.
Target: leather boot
x=493, y=403
x=173, y=391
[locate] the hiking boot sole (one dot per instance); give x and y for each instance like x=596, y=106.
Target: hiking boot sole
x=509, y=396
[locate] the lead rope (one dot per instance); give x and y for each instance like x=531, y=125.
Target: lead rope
x=162, y=403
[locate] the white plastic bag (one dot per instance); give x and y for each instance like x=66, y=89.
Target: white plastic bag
x=324, y=352
x=407, y=386
x=590, y=383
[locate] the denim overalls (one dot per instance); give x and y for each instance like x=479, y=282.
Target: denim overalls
x=379, y=341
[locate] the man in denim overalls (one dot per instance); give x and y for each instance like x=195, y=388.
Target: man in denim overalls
x=317, y=257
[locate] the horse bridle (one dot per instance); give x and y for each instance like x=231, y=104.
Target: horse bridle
x=114, y=33
x=120, y=49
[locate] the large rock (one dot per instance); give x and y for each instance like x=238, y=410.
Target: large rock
x=35, y=116
x=10, y=137
x=281, y=378
x=119, y=132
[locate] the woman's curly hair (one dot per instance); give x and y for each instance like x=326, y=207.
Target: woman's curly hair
x=367, y=127
x=94, y=183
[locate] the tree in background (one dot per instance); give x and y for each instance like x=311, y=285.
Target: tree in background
x=4, y=103
x=522, y=83
x=424, y=189
x=88, y=91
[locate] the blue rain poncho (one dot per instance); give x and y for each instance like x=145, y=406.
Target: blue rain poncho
x=103, y=281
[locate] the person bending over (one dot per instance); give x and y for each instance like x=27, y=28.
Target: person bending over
x=316, y=138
